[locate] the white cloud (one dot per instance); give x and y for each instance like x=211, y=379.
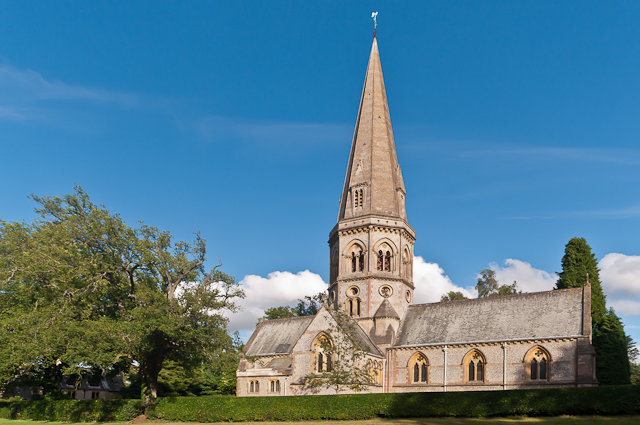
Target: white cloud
x=620, y=276
x=529, y=279
x=431, y=282
x=277, y=289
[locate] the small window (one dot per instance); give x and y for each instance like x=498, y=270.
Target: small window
x=380, y=261
x=320, y=362
x=475, y=365
x=419, y=364
x=274, y=386
x=387, y=262
x=537, y=362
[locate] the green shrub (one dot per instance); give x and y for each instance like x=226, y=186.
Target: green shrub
x=620, y=400
x=72, y=410
x=610, y=400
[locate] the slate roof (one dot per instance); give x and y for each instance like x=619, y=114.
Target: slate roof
x=531, y=315
x=386, y=310
x=280, y=363
x=277, y=336
x=360, y=336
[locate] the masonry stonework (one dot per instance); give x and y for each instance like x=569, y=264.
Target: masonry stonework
x=533, y=340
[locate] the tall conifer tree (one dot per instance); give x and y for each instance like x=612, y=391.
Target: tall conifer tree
x=612, y=361
x=578, y=260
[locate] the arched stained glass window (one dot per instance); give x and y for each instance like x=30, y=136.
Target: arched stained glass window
x=472, y=371
x=537, y=363
x=416, y=373
x=320, y=362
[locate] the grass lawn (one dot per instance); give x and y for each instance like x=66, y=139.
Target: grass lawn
x=563, y=420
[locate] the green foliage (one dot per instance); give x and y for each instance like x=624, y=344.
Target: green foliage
x=612, y=354
x=488, y=285
x=346, y=358
x=453, y=295
x=80, y=287
x=281, y=312
x=577, y=262
x=610, y=400
x=72, y=410
x=308, y=306
x=621, y=400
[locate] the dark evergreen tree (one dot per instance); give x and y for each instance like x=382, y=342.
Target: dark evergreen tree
x=612, y=358
x=578, y=260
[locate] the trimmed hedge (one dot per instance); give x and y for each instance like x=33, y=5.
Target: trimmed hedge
x=72, y=410
x=609, y=400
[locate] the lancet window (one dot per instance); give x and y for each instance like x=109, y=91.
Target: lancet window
x=357, y=259
x=353, y=306
x=475, y=365
x=419, y=368
x=384, y=260
x=357, y=199
x=274, y=386
x=322, y=348
x=537, y=363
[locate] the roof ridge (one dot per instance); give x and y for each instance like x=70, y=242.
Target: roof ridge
x=499, y=296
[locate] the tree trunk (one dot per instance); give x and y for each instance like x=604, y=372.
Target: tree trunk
x=150, y=370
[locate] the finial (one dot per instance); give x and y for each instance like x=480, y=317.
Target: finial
x=588, y=279
x=374, y=15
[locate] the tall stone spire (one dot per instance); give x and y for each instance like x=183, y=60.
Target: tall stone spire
x=371, y=245
x=373, y=184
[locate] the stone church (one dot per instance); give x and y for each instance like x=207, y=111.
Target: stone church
x=531, y=340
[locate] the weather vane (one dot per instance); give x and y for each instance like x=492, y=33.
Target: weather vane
x=374, y=15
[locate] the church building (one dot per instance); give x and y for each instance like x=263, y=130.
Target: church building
x=530, y=340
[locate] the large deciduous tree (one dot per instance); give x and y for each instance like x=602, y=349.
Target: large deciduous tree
x=577, y=262
x=79, y=287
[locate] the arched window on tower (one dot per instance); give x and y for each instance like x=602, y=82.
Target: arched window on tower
x=380, y=261
x=387, y=262
x=357, y=258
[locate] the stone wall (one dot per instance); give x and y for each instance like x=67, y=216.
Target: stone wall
x=562, y=370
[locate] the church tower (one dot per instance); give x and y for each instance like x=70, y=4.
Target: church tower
x=371, y=246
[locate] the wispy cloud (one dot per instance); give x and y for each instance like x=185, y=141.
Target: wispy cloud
x=538, y=154
x=631, y=211
x=219, y=128
x=19, y=87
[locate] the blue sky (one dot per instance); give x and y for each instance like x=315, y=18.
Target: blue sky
x=516, y=124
